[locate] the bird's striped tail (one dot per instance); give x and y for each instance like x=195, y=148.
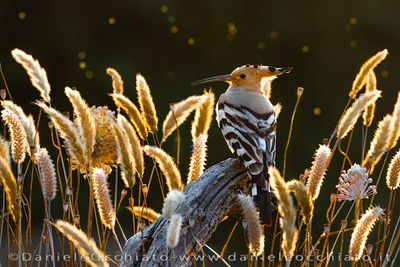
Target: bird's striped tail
x=262, y=198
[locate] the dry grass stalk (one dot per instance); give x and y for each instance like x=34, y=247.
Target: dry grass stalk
x=254, y=232
x=117, y=82
x=350, y=117
x=203, y=116
x=303, y=198
x=19, y=141
x=179, y=112
x=146, y=103
x=86, y=247
x=68, y=132
x=368, y=115
x=5, y=149
x=172, y=200
x=174, y=230
x=134, y=143
x=10, y=187
x=47, y=174
x=362, y=75
x=361, y=232
x=395, y=125
x=135, y=116
x=287, y=212
x=125, y=157
x=198, y=158
x=167, y=166
x=36, y=73
x=318, y=169
x=84, y=119
x=380, y=144
x=393, y=172
x=145, y=213
x=102, y=196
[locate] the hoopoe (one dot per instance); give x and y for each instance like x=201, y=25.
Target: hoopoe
x=247, y=120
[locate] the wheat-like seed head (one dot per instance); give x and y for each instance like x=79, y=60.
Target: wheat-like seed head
x=47, y=174
x=203, y=116
x=395, y=124
x=36, y=73
x=125, y=157
x=10, y=187
x=167, y=166
x=318, y=169
x=69, y=132
x=117, y=82
x=19, y=141
x=361, y=232
x=393, y=172
x=172, y=200
x=179, y=112
x=146, y=103
x=145, y=213
x=5, y=149
x=134, y=142
x=362, y=75
x=86, y=246
x=135, y=116
x=286, y=210
x=102, y=197
x=198, y=158
x=380, y=144
x=368, y=115
x=303, y=198
x=350, y=117
x=254, y=232
x=174, y=230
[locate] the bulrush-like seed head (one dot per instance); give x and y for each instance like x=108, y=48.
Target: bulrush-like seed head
x=117, y=82
x=318, y=169
x=145, y=213
x=146, y=103
x=303, y=198
x=10, y=187
x=395, y=124
x=368, y=115
x=172, y=200
x=47, y=174
x=198, y=158
x=174, y=230
x=203, y=116
x=393, y=172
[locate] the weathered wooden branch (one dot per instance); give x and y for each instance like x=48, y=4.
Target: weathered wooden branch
x=208, y=201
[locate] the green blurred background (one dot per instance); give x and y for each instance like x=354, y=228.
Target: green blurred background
x=173, y=43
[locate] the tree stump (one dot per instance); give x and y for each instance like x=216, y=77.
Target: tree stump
x=208, y=200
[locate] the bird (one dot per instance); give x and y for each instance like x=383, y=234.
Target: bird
x=248, y=122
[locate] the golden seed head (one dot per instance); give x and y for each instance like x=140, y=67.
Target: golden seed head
x=147, y=108
x=174, y=230
x=117, y=82
x=198, y=158
x=47, y=174
x=318, y=169
x=393, y=172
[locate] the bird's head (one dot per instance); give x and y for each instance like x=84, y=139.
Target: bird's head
x=247, y=77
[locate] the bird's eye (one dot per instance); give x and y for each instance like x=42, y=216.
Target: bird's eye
x=242, y=75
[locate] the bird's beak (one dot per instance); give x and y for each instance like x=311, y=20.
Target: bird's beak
x=219, y=78
x=268, y=71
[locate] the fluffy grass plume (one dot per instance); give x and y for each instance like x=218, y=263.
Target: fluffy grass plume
x=117, y=82
x=362, y=75
x=125, y=157
x=69, y=132
x=254, y=232
x=198, y=158
x=361, y=232
x=5, y=149
x=84, y=119
x=174, y=230
x=145, y=213
x=10, y=187
x=393, y=172
x=287, y=212
x=102, y=196
x=203, y=116
x=47, y=174
x=369, y=112
x=350, y=117
x=134, y=143
x=380, y=144
x=36, y=73
x=318, y=169
x=172, y=200
x=19, y=142
x=146, y=103
x=179, y=112
x=167, y=166
x=395, y=125
x=135, y=116
x=303, y=198
x=85, y=246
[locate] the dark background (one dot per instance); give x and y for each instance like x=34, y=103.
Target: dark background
x=325, y=41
